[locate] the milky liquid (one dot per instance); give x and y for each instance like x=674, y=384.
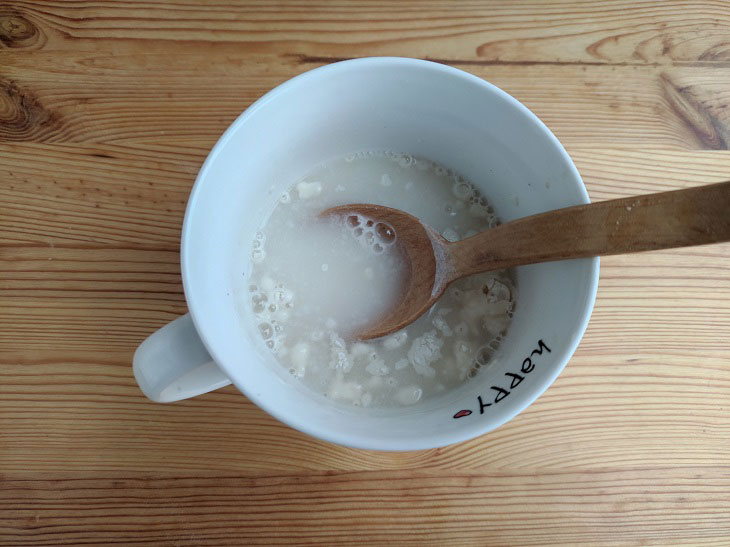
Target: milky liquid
x=314, y=282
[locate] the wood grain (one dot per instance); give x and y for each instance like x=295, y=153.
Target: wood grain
x=626, y=106
x=107, y=110
x=639, y=223
x=363, y=508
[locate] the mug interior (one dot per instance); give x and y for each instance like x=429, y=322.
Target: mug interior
x=405, y=105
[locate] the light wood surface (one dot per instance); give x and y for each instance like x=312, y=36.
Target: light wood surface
x=107, y=109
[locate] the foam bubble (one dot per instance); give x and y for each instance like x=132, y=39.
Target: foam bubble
x=484, y=355
x=282, y=295
x=258, y=302
x=462, y=189
x=266, y=330
x=385, y=233
x=258, y=255
x=404, y=160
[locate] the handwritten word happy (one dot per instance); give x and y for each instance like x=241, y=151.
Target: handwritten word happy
x=515, y=379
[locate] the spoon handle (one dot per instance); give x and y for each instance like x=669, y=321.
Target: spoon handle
x=681, y=218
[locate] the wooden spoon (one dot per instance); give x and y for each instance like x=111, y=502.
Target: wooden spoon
x=681, y=218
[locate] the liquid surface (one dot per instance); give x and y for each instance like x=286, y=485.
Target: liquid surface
x=314, y=282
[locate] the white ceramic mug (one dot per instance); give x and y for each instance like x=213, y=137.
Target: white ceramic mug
x=407, y=105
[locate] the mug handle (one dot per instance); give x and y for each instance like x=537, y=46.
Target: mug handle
x=173, y=364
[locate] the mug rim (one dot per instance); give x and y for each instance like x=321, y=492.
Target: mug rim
x=355, y=441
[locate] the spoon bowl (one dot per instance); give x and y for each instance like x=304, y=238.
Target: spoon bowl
x=425, y=275
x=681, y=218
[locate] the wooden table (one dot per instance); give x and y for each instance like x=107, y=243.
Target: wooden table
x=107, y=110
